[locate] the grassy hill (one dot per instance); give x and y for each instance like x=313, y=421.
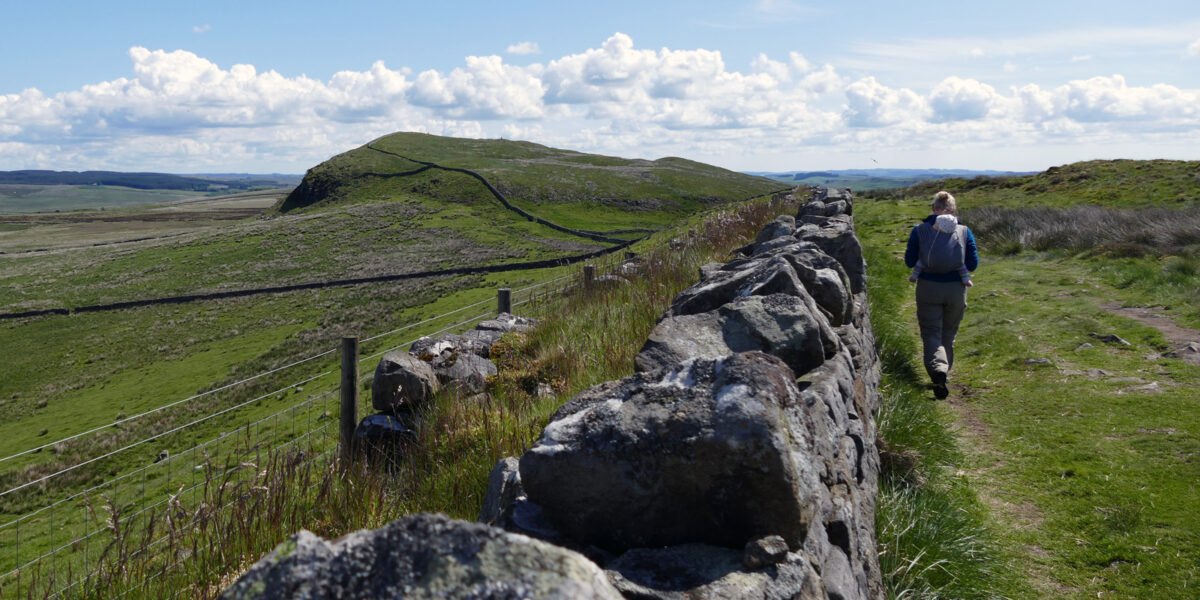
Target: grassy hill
x=569, y=188
x=861, y=180
x=1123, y=183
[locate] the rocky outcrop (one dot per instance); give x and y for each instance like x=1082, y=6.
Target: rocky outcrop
x=751, y=419
x=407, y=380
x=422, y=556
x=709, y=451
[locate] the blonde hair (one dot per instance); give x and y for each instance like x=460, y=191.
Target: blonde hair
x=944, y=201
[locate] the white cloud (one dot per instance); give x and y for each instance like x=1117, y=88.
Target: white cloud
x=485, y=89
x=1193, y=49
x=956, y=99
x=524, y=48
x=201, y=28
x=872, y=104
x=799, y=63
x=177, y=111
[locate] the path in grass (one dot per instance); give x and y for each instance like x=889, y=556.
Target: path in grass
x=1084, y=450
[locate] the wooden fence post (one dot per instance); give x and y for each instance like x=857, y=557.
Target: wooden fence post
x=504, y=300
x=349, y=415
x=589, y=277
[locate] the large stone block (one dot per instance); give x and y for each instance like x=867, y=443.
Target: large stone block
x=402, y=380
x=837, y=239
x=762, y=277
x=788, y=327
x=699, y=572
x=705, y=452
x=422, y=557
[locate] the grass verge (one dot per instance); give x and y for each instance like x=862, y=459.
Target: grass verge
x=932, y=531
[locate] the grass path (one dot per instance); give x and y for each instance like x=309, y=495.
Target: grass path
x=1085, y=451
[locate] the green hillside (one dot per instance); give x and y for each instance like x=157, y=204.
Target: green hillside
x=570, y=188
x=1120, y=183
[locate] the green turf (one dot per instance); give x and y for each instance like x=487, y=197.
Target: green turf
x=1082, y=457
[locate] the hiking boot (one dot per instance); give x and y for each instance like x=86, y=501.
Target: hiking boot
x=940, y=391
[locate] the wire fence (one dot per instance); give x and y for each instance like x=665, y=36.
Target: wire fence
x=60, y=522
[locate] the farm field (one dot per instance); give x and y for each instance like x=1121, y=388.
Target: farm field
x=20, y=198
x=54, y=231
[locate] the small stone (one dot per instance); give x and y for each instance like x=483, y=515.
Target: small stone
x=1111, y=338
x=1097, y=373
x=1037, y=361
x=1191, y=348
x=1126, y=380
x=1084, y=346
x=764, y=551
x=43, y=432
x=162, y=455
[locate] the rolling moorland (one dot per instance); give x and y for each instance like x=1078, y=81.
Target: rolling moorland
x=861, y=180
x=1055, y=470
x=74, y=373
x=59, y=191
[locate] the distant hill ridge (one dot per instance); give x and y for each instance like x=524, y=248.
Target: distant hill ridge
x=530, y=174
x=1120, y=183
x=141, y=181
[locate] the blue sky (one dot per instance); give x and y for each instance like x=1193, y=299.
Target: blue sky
x=765, y=85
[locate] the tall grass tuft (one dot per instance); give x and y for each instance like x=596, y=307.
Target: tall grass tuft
x=1085, y=228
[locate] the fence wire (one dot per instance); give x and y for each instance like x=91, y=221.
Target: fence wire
x=161, y=476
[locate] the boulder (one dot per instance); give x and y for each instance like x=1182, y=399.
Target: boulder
x=705, y=452
x=822, y=275
x=782, y=226
x=421, y=556
x=504, y=488
x=402, y=379
x=838, y=240
x=480, y=341
x=748, y=278
x=465, y=373
x=700, y=572
x=506, y=322
x=385, y=436
x=427, y=348
x=812, y=207
x=789, y=327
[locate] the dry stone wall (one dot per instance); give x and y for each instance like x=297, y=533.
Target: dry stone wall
x=739, y=461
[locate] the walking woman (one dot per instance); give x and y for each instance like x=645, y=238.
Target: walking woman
x=941, y=252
